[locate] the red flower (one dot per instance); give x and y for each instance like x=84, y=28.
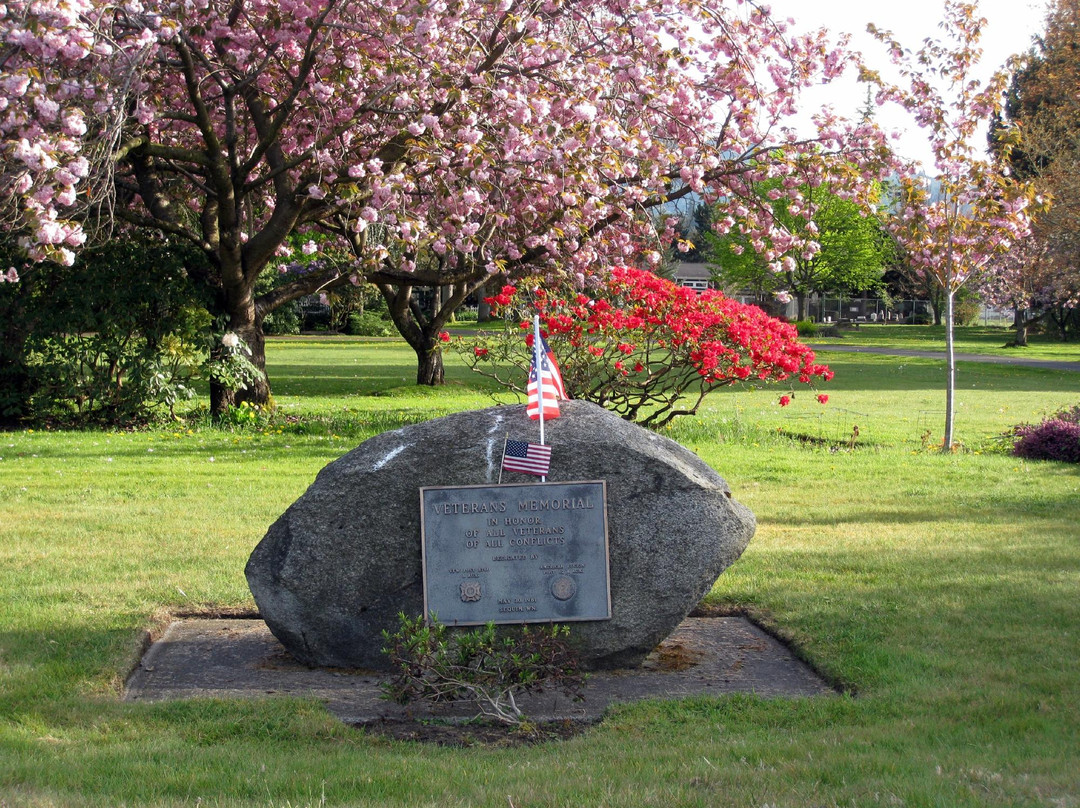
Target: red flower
x=478, y=351
x=823, y=398
x=444, y=336
x=694, y=343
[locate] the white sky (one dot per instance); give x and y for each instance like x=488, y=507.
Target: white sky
x=1011, y=25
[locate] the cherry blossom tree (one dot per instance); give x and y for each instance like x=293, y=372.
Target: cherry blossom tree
x=440, y=143
x=1037, y=281
x=953, y=224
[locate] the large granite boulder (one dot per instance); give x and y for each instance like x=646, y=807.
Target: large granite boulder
x=345, y=558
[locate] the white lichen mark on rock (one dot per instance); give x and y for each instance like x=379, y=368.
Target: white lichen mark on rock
x=378, y=464
x=496, y=426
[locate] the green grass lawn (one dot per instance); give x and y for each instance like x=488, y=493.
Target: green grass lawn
x=941, y=591
x=987, y=340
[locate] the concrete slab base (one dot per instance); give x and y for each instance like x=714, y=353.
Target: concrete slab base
x=240, y=658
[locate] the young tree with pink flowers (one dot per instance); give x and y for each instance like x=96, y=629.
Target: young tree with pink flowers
x=439, y=144
x=952, y=225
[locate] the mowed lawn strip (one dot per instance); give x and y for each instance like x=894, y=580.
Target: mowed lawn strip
x=939, y=592
x=986, y=340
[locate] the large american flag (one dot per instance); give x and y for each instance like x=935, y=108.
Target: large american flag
x=550, y=389
x=528, y=458
x=556, y=374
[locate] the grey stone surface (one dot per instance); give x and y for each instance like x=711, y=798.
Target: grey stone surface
x=345, y=558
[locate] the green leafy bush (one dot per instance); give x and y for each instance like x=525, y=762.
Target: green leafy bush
x=806, y=328
x=283, y=320
x=369, y=324
x=113, y=339
x=966, y=310
x=230, y=364
x=494, y=668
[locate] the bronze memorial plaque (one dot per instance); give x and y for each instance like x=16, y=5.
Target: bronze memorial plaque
x=515, y=553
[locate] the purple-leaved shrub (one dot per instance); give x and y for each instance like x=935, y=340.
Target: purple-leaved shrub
x=1056, y=438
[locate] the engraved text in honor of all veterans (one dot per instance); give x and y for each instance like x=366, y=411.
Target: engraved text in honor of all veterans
x=516, y=553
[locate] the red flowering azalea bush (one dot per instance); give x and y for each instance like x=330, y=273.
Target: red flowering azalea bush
x=1056, y=438
x=644, y=347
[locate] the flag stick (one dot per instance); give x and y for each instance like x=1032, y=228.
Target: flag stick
x=537, y=349
x=503, y=461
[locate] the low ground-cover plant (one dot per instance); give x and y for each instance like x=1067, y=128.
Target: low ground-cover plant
x=493, y=668
x=1055, y=438
x=641, y=345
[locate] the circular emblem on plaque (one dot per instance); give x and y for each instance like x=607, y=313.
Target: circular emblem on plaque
x=564, y=587
x=470, y=591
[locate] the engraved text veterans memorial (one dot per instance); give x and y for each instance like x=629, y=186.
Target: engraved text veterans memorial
x=515, y=553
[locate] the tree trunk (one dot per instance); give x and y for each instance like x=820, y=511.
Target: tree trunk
x=483, y=308
x=258, y=392
x=950, y=372
x=936, y=308
x=800, y=308
x=243, y=323
x=1020, y=322
x=1062, y=317
x=221, y=399
x=429, y=367
x=421, y=328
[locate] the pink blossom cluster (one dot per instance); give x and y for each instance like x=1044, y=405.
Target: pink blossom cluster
x=953, y=225
x=1036, y=275
x=509, y=136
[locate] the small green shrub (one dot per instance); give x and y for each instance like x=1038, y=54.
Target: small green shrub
x=245, y=416
x=494, y=668
x=806, y=328
x=368, y=324
x=283, y=320
x=966, y=311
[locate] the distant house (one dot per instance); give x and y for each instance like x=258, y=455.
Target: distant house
x=694, y=276
x=699, y=278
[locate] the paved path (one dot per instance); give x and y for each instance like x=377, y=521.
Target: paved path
x=1046, y=364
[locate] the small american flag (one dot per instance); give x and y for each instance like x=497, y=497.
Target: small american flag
x=528, y=458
